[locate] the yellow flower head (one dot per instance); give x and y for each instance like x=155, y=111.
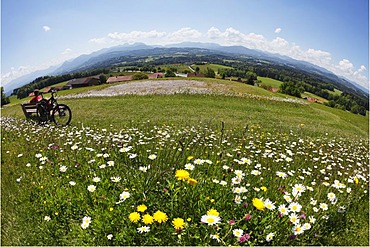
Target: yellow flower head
x=213, y=212
x=178, y=223
x=356, y=180
x=147, y=219
x=263, y=188
x=160, y=216
x=182, y=175
x=134, y=217
x=141, y=208
x=192, y=181
x=258, y=203
x=190, y=157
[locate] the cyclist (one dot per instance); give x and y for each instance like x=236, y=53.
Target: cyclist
x=37, y=97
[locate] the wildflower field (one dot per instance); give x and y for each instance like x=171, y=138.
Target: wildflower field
x=166, y=185
x=186, y=170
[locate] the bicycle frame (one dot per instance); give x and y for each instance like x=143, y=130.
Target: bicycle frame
x=48, y=109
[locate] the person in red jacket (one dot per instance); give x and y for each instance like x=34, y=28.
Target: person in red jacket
x=37, y=97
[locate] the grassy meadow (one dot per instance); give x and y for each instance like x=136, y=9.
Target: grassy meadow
x=249, y=168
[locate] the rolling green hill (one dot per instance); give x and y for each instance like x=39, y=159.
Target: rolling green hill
x=126, y=169
x=254, y=107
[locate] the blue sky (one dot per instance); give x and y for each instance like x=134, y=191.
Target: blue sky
x=333, y=34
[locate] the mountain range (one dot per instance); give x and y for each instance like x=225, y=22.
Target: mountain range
x=110, y=56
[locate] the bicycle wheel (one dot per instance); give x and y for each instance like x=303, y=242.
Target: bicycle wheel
x=42, y=114
x=62, y=115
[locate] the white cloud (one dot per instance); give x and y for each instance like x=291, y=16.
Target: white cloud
x=67, y=51
x=184, y=34
x=279, y=44
x=278, y=30
x=46, y=28
x=135, y=36
x=98, y=40
x=346, y=66
x=15, y=73
x=213, y=33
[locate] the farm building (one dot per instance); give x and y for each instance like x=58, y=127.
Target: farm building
x=114, y=79
x=84, y=82
x=314, y=100
x=59, y=88
x=155, y=75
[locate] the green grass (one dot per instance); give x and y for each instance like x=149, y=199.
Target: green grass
x=40, y=206
x=215, y=67
x=323, y=143
x=270, y=82
x=180, y=67
x=271, y=115
x=311, y=95
x=336, y=92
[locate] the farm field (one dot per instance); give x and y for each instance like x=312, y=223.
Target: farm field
x=215, y=67
x=269, y=82
x=314, y=96
x=245, y=167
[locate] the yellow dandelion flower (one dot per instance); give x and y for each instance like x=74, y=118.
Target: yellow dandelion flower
x=188, y=219
x=160, y=216
x=182, y=174
x=111, y=209
x=141, y=208
x=147, y=219
x=178, y=223
x=134, y=217
x=258, y=203
x=190, y=158
x=192, y=181
x=263, y=188
x=213, y=212
x=356, y=180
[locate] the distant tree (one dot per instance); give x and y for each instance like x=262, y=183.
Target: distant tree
x=291, y=88
x=355, y=108
x=4, y=100
x=210, y=73
x=139, y=76
x=251, y=77
x=169, y=73
x=103, y=79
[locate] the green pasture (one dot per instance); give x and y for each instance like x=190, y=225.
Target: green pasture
x=269, y=82
x=180, y=155
x=267, y=111
x=314, y=96
x=179, y=67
